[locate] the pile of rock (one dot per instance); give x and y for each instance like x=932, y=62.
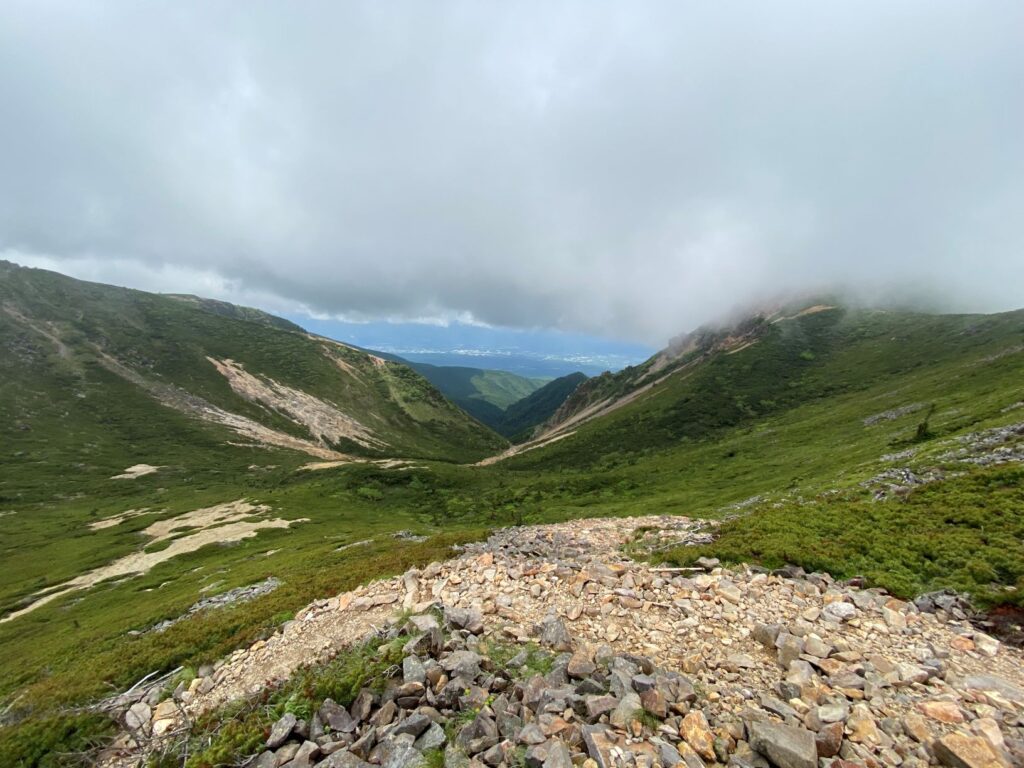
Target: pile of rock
x=592, y=707
x=649, y=665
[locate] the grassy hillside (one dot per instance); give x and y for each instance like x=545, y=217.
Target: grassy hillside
x=484, y=394
x=95, y=378
x=801, y=433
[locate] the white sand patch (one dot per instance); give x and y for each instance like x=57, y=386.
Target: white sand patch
x=136, y=470
x=110, y=522
x=323, y=420
x=221, y=524
x=313, y=466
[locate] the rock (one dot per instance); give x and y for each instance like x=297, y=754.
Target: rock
x=599, y=745
x=987, y=645
x=558, y=755
x=344, y=759
x=399, y=753
x=432, y=738
x=581, y=665
x=413, y=670
x=480, y=735
x=729, y=592
x=414, y=724
x=599, y=705
x=465, y=664
x=786, y=746
x=281, y=731
x=336, y=717
x=894, y=619
x=958, y=750
x=943, y=711
x=829, y=739
x=696, y=732
x=465, y=618
x=839, y=611
x=625, y=711
x=554, y=635
x=265, y=759
x=766, y=634
x=305, y=756
x=789, y=649
x=138, y=716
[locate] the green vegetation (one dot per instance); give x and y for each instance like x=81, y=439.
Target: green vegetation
x=225, y=737
x=966, y=533
x=55, y=741
x=511, y=405
x=781, y=425
x=521, y=417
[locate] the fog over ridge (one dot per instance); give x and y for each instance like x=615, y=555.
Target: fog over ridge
x=625, y=170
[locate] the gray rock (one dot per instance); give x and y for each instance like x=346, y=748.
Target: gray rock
x=465, y=618
x=305, y=756
x=432, y=738
x=479, y=736
x=626, y=710
x=265, y=759
x=839, y=611
x=599, y=705
x=344, y=759
x=281, y=731
x=531, y=734
x=399, y=753
x=554, y=635
x=413, y=670
x=336, y=717
x=785, y=745
x=462, y=664
x=558, y=755
x=414, y=724
x=766, y=634
x=138, y=716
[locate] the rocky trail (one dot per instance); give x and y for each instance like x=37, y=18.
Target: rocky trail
x=645, y=666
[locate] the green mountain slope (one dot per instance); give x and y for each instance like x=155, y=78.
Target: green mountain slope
x=519, y=419
x=98, y=378
x=808, y=432
x=719, y=379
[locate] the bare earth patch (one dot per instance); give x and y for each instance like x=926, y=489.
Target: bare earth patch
x=136, y=470
x=110, y=522
x=322, y=419
x=220, y=524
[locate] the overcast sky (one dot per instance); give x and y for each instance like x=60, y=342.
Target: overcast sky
x=628, y=169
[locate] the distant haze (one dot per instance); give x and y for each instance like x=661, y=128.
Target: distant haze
x=628, y=170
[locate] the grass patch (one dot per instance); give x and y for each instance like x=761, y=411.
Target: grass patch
x=965, y=533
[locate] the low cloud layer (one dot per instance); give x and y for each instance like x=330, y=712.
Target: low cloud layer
x=629, y=169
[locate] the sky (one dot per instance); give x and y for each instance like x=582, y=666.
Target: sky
x=620, y=170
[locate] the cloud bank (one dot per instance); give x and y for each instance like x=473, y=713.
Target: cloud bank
x=629, y=169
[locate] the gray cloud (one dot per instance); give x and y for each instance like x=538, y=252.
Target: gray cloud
x=620, y=168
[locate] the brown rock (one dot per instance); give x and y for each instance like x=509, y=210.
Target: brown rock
x=943, y=711
x=829, y=739
x=697, y=733
x=958, y=750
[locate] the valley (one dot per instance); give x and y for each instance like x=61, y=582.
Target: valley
x=158, y=451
